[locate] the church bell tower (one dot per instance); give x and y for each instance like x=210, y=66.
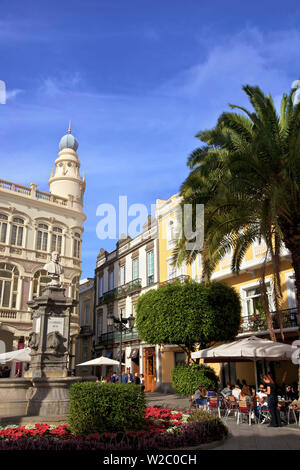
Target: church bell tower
x=66, y=180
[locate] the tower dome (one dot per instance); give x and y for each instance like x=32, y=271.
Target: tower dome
x=68, y=141
x=66, y=181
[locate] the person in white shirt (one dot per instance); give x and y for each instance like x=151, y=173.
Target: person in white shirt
x=227, y=390
x=262, y=396
x=236, y=391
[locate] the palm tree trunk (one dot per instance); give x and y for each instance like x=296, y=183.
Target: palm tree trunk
x=275, y=254
x=265, y=301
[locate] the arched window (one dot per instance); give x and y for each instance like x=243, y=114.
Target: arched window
x=40, y=280
x=56, y=241
x=17, y=230
x=3, y=227
x=9, y=276
x=77, y=245
x=42, y=237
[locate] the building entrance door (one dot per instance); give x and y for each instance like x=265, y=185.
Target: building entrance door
x=149, y=370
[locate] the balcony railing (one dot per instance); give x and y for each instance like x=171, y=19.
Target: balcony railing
x=181, y=278
x=258, y=322
x=33, y=192
x=121, y=291
x=114, y=336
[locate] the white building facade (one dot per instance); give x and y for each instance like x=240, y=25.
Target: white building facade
x=33, y=224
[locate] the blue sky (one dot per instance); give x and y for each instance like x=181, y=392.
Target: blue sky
x=138, y=79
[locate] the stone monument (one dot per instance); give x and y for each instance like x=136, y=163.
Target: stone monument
x=44, y=390
x=49, y=339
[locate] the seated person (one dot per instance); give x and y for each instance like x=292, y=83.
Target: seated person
x=227, y=390
x=261, y=394
x=245, y=395
x=200, y=397
x=289, y=394
x=211, y=393
x=236, y=391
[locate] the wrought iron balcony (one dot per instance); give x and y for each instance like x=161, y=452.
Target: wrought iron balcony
x=182, y=278
x=114, y=336
x=121, y=291
x=258, y=321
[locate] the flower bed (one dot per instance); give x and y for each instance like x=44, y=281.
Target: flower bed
x=165, y=428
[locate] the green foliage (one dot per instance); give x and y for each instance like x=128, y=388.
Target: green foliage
x=188, y=313
x=106, y=407
x=214, y=425
x=186, y=379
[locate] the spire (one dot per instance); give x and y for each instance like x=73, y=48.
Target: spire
x=69, y=130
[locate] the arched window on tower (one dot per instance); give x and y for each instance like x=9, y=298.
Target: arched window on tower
x=3, y=228
x=56, y=240
x=40, y=280
x=17, y=231
x=9, y=277
x=77, y=245
x=42, y=237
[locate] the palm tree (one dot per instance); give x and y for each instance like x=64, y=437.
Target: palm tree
x=248, y=176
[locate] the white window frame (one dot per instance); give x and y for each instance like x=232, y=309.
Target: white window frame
x=44, y=234
x=13, y=293
x=254, y=285
x=17, y=226
x=57, y=233
x=77, y=245
x=3, y=222
x=122, y=275
x=135, y=261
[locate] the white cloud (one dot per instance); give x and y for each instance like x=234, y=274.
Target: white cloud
x=53, y=86
x=10, y=94
x=249, y=57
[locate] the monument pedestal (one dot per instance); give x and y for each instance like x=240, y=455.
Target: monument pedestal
x=45, y=389
x=37, y=397
x=14, y=397
x=50, y=396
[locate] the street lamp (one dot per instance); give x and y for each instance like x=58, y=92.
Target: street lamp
x=120, y=325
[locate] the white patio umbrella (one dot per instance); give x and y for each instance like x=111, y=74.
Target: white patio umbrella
x=248, y=348
x=100, y=361
x=251, y=348
x=20, y=355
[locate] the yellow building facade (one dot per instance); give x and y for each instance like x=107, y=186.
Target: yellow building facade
x=247, y=285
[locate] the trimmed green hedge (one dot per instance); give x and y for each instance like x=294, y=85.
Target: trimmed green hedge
x=185, y=379
x=188, y=313
x=107, y=407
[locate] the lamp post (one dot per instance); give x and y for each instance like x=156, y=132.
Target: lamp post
x=120, y=325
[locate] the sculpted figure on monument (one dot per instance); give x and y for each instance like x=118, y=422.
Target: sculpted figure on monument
x=54, y=269
x=55, y=342
x=34, y=339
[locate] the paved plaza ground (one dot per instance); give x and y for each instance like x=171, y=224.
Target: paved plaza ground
x=241, y=437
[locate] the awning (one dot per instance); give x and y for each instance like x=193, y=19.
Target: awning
x=20, y=355
x=252, y=348
x=99, y=361
x=134, y=353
